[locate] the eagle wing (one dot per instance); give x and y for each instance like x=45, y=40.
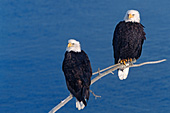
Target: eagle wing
x=117, y=42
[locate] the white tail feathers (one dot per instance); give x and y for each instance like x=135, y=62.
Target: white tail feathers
x=123, y=73
x=79, y=105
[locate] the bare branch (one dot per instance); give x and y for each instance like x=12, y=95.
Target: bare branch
x=153, y=62
x=61, y=104
x=113, y=68
x=104, y=69
x=96, y=96
x=120, y=66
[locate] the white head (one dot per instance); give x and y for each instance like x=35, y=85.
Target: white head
x=132, y=16
x=73, y=45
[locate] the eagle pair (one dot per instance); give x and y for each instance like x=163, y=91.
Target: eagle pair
x=127, y=43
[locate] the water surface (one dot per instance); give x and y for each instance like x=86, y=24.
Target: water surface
x=33, y=38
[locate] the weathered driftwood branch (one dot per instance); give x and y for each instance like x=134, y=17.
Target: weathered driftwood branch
x=99, y=71
x=96, y=96
x=113, y=68
x=61, y=104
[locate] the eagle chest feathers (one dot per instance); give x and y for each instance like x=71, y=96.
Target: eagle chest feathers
x=75, y=64
x=128, y=39
x=74, y=59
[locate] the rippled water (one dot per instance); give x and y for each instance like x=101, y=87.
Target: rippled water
x=33, y=38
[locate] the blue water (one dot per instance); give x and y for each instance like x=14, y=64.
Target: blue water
x=33, y=39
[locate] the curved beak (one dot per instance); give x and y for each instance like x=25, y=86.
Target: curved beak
x=130, y=16
x=69, y=45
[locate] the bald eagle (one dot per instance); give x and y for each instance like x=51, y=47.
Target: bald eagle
x=128, y=39
x=77, y=70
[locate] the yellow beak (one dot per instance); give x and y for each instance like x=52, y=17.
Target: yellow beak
x=130, y=16
x=69, y=45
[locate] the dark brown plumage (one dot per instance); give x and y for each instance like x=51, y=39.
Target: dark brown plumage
x=77, y=70
x=128, y=39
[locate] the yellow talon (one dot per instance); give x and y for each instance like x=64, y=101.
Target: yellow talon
x=123, y=61
x=130, y=59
